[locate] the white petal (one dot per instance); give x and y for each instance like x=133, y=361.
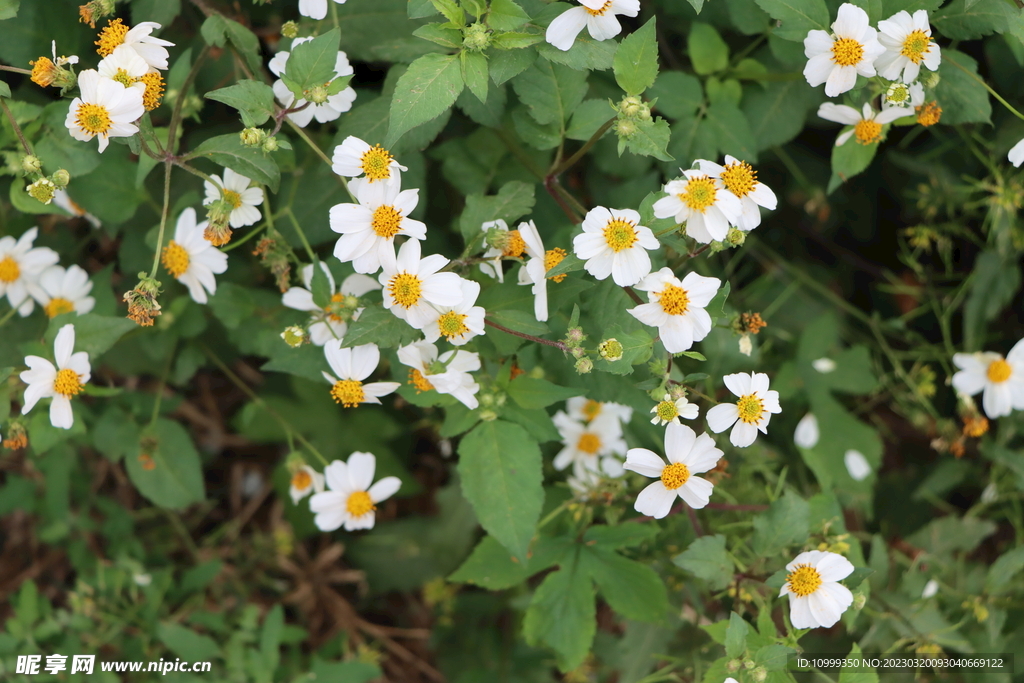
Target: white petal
x=655, y=500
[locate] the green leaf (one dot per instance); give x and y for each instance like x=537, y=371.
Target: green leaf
x=632, y=589
x=857, y=576
x=857, y=675
x=773, y=657
x=994, y=284
x=270, y=637
x=515, y=40
x=678, y=95
x=217, y=30
x=475, y=73
x=570, y=264
x=732, y=131
x=650, y=139
x=320, y=286
x=708, y=52
x=784, y=524
x=491, y=566
x=588, y=119
x=514, y=200
x=707, y=559
x=518, y=321
x=94, y=334
x=532, y=392
x=500, y=469
x=507, y=64
x=636, y=60
x=951, y=534
x=550, y=91
x=451, y=11
x=850, y=159
x=562, y=615
x=5, y=90
x=166, y=468
x=961, y=21
x=797, y=17
x=8, y=10
x=777, y=113
x=186, y=643
x=442, y=34
x=963, y=98
x=736, y=636
x=1003, y=570
x=620, y=536
x=377, y=325
x=228, y=150
x=312, y=63
x=637, y=347
x=586, y=54
x=506, y=15
x=425, y=91
x=253, y=100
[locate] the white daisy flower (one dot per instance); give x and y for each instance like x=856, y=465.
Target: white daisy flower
x=867, y=123
x=331, y=109
x=836, y=59
x=235, y=190
x=20, y=266
x=514, y=248
x=583, y=482
x=315, y=9
x=327, y=323
x=446, y=374
x=61, y=383
x=807, y=434
x=930, y=589
x=64, y=201
x=597, y=446
x=305, y=481
x=903, y=95
x=908, y=43
x=139, y=38
x=105, y=109
x=412, y=284
x=740, y=179
x=587, y=410
x=857, y=465
x=459, y=323
x=1002, y=379
x=355, y=157
x=538, y=263
x=701, y=202
x=1016, y=154
x=750, y=413
x=125, y=66
x=612, y=243
x=816, y=599
x=597, y=16
x=676, y=307
x=369, y=228
x=669, y=410
x=351, y=500
x=352, y=366
x=63, y=291
x=191, y=259
x=824, y=365
x=688, y=455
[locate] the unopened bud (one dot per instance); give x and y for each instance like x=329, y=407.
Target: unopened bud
x=932, y=80
x=577, y=352
x=61, y=178
x=630, y=106
x=270, y=144
x=575, y=335
x=30, y=163
x=42, y=190
x=476, y=37
x=759, y=674
x=290, y=29
x=252, y=137
x=732, y=666
x=859, y=601
x=317, y=94
x=584, y=365
x=735, y=237
x=610, y=349
x=625, y=128
x=294, y=336
x=488, y=415
x=496, y=238
x=748, y=664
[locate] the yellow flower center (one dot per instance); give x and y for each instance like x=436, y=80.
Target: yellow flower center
x=9, y=270
x=333, y=309
x=620, y=234
x=124, y=78
x=359, y=503
x=929, y=113
x=301, y=480
x=67, y=383
x=674, y=300
x=57, y=306
x=589, y=443
x=421, y=383
x=348, y=392
x=675, y=475
x=975, y=426
x=552, y=257
x=750, y=408
x=405, y=289
x=376, y=163
x=43, y=72
x=739, y=178
x=515, y=246
x=599, y=12
x=386, y=221
x=233, y=198
x=93, y=118
x=847, y=52
x=915, y=46
x=867, y=131
x=154, y=90
x=110, y=37
x=699, y=194
x=666, y=411
x=591, y=409
x=175, y=259
x=804, y=580
x=898, y=94
x=998, y=371
x=452, y=325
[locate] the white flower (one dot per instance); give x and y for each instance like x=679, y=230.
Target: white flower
x=64, y=201
x=334, y=106
x=20, y=266
x=327, y=323
x=930, y=589
x=125, y=66
x=538, y=263
x=412, y=284
x=355, y=157
x=598, y=16
x=63, y=291
x=815, y=597
x=586, y=410
x=836, y=59
x=688, y=455
x=750, y=413
x=1016, y=154
x=676, y=307
x=459, y=323
x=446, y=374
x=909, y=96
x=351, y=500
x=867, y=124
x=105, y=109
x=701, y=202
x=591, y=446
x=62, y=60
x=807, y=434
x=740, y=179
x=315, y=9
x=352, y=366
x=908, y=42
x=514, y=248
x=369, y=228
x=191, y=259
x=857, y=465
x=235, y=190
x=824, y=365
x=1002, y=379
x=612, y=243
x=61, y=383
x=305, y=481
x=150, y=48
x=669, y=411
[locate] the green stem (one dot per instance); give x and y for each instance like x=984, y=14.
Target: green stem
x=15, y=69
x=302, y=236
x=163, y=219
x=180, y=163
x=14, y=125
x=8, y=316
x=571, y=161
x=320, y=153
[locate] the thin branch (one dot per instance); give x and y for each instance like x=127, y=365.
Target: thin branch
x=523, y=335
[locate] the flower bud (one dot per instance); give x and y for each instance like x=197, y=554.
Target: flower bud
x=584, y=365
x=732, y=666
x=748, y=664
x=42, y=190
x=290, y=29
x=61, y=178
x=610, y=349
x=625, y=128
x=932, y=80
x=759, y=674
x=252, y=137
x=488, y=415
x=496, y=238
x=317, y=94
x=859, y=601
x=735, y=237
x=294, y=336
x=577, y=352
x=30, y=163
x=17, y=437
x=630, y=106
x=575, y=335
x=270, y=144
x=476, y=37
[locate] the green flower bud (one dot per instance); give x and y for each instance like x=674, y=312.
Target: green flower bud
x=859, y=601
x=294, y=336
x=630, y=106
x=61, y=178
x=732, y=666
x=610, y=349
x=759, y=674
x=290, y=29
x=625, y=128
x=42, y=190
x=252, y=137
x=575, y=335
x=584, y=365
x=317, y=94
x=476, y=37
x=488, y=415
x=30, y=163
x=735, y=237
x=577, y=352
x=270, y=144
x=932, y=80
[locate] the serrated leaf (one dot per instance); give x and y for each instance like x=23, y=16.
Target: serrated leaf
x=632, y=589
x=707, y=559
x=550, y=91
x=962, y=20
x=637, y=347
x=562, y=616
x=491, y=566
x=850, y=159
x=228, y=150
x=185, y=642
x=620, y=536
x=507, y=64
x=678, y=95
x=377, y=325
x=651, y=139
x=440, y=34
x=475, y=74
x=736, y=636
x=1003, y=570
x=217, y=30
x=506, y=15
x=425, y=91
x=636, y=61
x=797, y=17
x=312, y=63
x=166, y=468
x=732, y=131
x=513, y=201
x=94, y=334
x=785, y=523
x=253, y=100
